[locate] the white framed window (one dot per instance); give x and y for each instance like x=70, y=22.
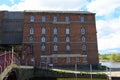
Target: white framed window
x=55, y=59
x=84, y=47
x=31, y=30
x=77, y=59
x=67, y=19
x=43, y=18
x=68, y=59
x=67, y=39
x=55, y=19
x=31, y=18
x=55, y=30
x=55, y=39
x=82, y=19
x=43, y=47
x=43, y=59
x=83, y=30
x=67, y=30
x=43, y=30
x=68, y=47
x=83, y=39
x=55, y=47
x=31, y=38
x=43, y=39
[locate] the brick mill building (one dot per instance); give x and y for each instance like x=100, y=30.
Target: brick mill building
x=51, y=37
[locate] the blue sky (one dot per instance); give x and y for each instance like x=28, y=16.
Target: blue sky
x=107, y=16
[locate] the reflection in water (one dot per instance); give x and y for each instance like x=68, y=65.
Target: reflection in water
x=111, y=64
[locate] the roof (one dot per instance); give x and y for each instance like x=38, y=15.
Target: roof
x=77, y=12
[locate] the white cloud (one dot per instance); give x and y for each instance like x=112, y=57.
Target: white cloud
x=108, y=33
x=12, y=1
x=49, y=5
x=103, y=7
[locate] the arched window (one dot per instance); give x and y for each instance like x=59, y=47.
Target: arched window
x=55, y=47
x=43, y=30
x=82, y=30
x=31, y=38
x=43, y=39
x=83, y=39
x=67, y=39
x=31, y=30
x=43, y=47
x=55, y=39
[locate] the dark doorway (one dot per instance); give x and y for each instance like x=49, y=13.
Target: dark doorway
x=12, y=76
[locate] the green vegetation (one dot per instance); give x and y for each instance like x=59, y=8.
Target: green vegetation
x=115, y=57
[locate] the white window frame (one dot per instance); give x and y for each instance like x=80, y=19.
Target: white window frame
x=84, y=48
x=31, y=30
x=67, y=30
x=31, y=39
x=32, y=18
x=43, y=39
x=67, y=19
x=43, y=18
x=55, y=19
x=55, y=31
x=55, y=47
x=43, y=30
x=68, y=59
x=82, y=20
x=55, y=39
x=43, y=47
x=83, y=30
x=67, y=47
x=83, y=39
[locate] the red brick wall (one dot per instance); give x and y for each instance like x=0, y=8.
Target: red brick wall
x=75, y=36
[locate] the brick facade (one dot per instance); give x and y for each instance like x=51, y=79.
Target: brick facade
x=32, y=53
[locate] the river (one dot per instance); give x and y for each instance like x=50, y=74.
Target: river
x=111, y=64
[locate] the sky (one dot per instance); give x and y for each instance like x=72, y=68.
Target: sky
x=107, y=16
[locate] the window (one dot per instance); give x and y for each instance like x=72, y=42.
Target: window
x=81, y=19
x=67, y=19
x=84, y=47
x=31, y=38
x=55, y=30
x=82, y=30
x=43, y=39
x=31, y=30
x=54, y=19
x=68, y=47
x=55, y=39
x=55, y=59
x=67, y=39
x=43, y=59
x=83, y=39
x=31, y=18
x=77, y=59
x=43, y=18
x=67, y=30
x=55, y=47
x=68, y=59
x=43, y=47
x=48, y=60
x=43, y=30
x=84, y=58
